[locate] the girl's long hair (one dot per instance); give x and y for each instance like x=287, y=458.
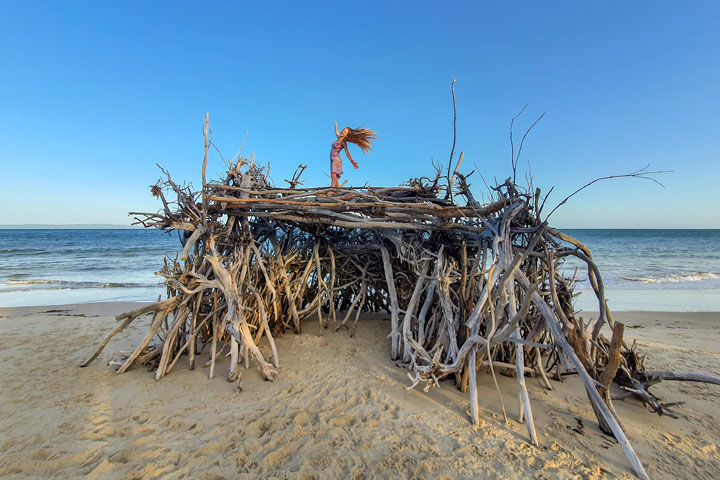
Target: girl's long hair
x=362, y=137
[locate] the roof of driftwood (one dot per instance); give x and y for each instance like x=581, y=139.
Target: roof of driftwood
x=364, y=207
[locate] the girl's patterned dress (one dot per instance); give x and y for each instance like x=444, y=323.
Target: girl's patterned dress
x=335, y=160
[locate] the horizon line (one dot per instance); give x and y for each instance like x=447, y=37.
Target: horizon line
x=114, y=226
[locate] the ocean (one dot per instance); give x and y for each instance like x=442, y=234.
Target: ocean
x=55, y=267
x=660, y=270
x=666, y=270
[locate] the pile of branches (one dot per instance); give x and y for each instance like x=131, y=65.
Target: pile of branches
x=468, y=286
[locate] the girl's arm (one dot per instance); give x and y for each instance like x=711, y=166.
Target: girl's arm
x=337, y=133
x=347, y=152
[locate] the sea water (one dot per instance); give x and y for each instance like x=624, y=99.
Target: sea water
x=662, y=270
x=54, y=267
x=672, y=270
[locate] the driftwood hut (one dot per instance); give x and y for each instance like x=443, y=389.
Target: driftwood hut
x=468, y=286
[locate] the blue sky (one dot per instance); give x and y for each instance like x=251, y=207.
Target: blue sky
x=93, y=94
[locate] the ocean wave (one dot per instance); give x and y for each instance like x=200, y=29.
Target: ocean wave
x=675, y=278
x=31, y=282
x=26, y=251
x=42, y=284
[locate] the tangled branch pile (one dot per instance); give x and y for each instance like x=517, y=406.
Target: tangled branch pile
x=466, y=285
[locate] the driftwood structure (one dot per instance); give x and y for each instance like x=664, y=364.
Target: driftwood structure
x=467, y=285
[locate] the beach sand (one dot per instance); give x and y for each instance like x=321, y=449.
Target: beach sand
x=338, y=409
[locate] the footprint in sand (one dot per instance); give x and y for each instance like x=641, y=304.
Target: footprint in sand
x=140, y=420
x=302, y=419
x=43, y=454
x=122, y=456
x=100, y=419
x=343, y=421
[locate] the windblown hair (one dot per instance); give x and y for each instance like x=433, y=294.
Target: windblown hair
x=362, y=137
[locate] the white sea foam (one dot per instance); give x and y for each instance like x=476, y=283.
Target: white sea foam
x=43, y=284
x=676, y=278
x=31, y=282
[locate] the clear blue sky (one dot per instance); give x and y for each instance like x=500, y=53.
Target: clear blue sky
x=93, y=94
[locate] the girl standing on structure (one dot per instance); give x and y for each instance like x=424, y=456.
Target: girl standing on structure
x=362, y=137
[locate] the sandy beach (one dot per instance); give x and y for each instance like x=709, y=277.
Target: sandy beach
x=338, y=409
